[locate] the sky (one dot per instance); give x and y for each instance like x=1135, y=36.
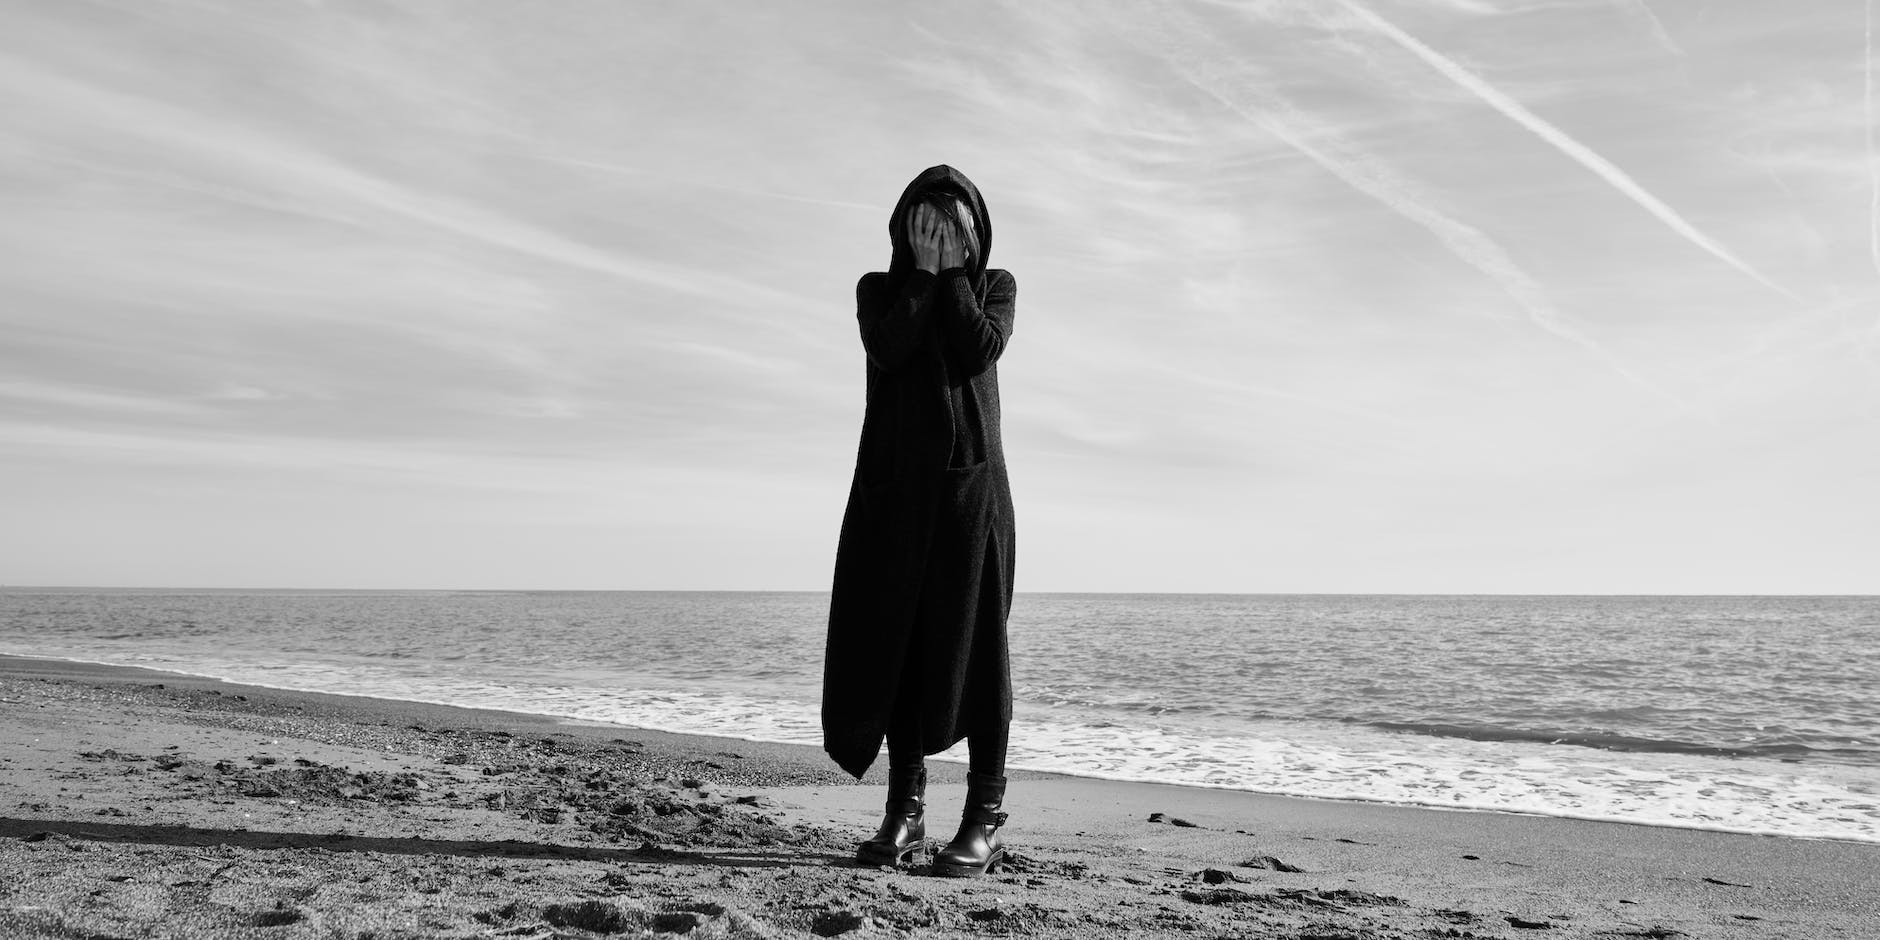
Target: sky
x=1340, y=296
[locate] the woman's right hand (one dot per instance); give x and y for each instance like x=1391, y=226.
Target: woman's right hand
x=926, y=232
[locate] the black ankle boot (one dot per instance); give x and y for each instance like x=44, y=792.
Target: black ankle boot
x=977, y=849
x=904, y=828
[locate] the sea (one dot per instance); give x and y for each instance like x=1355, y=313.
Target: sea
x=1741, y=714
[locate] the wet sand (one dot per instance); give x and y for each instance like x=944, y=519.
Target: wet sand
x=136, y=803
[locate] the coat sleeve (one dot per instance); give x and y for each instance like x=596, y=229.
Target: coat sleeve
x=976, y=334
x=892, y=325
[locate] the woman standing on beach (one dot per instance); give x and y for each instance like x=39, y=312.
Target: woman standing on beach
x=923, y=576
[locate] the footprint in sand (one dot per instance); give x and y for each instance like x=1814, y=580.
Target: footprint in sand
x=606, y=917
x=1293, y=898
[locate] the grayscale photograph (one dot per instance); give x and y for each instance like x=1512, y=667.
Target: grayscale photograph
x=483, y=469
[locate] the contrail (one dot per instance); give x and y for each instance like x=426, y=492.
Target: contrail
x=1640, y=9
x=1553, y=135
x=1464, y=241
x=1468, y=244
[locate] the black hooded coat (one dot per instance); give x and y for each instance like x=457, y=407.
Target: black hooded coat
x=924, y=564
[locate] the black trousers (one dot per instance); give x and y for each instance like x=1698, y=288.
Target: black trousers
x=985, y=747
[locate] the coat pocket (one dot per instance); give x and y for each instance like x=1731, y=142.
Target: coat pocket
x=968, y=489
x=970, y=506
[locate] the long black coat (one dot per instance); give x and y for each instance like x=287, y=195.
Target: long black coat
x=924, y=565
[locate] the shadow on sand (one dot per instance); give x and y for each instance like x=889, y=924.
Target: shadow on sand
x=645, y=854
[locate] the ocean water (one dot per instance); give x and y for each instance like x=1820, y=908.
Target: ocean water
x=1746, y=714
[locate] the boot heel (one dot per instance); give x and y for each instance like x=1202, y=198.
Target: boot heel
x=904, y=825
x=968, y=870
x=978, y=849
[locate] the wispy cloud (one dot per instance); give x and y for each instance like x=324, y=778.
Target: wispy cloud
x=1584, y=155
x=1464, y=241
x=69, y=397
x=736, y=360
x=311, y=176
x=1476, y=7
x=1873, y=157
x=667, y=179
x=1641, y=9
x=1376, y=180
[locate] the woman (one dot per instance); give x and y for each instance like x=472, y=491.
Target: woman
x=923, y=576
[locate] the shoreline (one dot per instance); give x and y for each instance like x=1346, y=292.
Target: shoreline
x=767, y=840
x=810, y=753
x=804, y=760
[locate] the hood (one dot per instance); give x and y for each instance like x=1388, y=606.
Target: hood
x=949, y=180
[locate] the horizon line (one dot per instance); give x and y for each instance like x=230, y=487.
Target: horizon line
x=69, y=588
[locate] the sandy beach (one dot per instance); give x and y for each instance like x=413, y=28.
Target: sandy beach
x=136, y=803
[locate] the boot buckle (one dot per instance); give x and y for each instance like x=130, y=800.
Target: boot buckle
x=983, y=816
